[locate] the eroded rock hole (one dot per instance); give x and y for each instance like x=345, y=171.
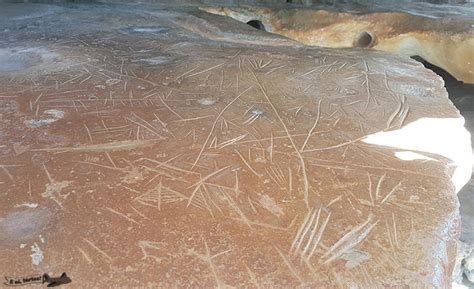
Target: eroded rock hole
x=364, y=40
x=257, y=24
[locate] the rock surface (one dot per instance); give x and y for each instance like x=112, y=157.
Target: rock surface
x=432, y=38
x=146, y=147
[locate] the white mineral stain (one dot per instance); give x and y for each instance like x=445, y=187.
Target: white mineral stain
x=354, y=258
x=112, y=81
x=148, y=29
x=269, y=204
x=37, y=256
x=28, y=205
x=50, y=116
x=156, y=60
x=206, y=101
x=53, y=191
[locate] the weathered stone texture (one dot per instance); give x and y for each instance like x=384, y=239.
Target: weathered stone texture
x=135, y=151
x=431, y=37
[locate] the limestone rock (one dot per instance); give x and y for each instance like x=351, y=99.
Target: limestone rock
x=431, y=38
x=177, y=159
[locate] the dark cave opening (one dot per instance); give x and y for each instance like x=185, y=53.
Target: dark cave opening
x=257, y=24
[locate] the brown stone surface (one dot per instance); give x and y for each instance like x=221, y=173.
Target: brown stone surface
x=447, y=42
x=135, y=151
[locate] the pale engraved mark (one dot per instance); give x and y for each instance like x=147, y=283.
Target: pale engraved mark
x=88, y=133
x=303, y=230
x=300, y=156
x=372, y=202
x=208, y=259
x=366, y=82
x=236, y=188
x=264, y=225
x=150, y=245
x=205, y=197
x=112, y=146
x=201, y=183
x=247, y=163
x=232, y=141
x=290, y=180
x=214, y=125
x=388, y=86
x=271, y=147
x=396, y=112
x=315, y=243
x=379, y=187
x=132, y=173
x=290, y=266
x=29, y=189
x=139, y=213
x=199, y=72
x=350, y=240
x=395, y=234
x=236, y=208
x=310, y=232
x=390, y=193
x=170, y=109
x=254, y=115
x=178, y=79
x=54, y=189
x=105, y=255
x=148, y=126
x=110, y=159
x=160, y=195
x=314, y=125
x=192, y=119
x=315, y=69
x=259, y=64
x=213, y=143
x=86, y=257
x=169, y=166
x=276, y=174
x=333, y=201
x=253, y=278
x=122, y=215
x=7, y=172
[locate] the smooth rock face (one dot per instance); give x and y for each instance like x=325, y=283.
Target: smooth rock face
x=426, y=36
x=158, y=157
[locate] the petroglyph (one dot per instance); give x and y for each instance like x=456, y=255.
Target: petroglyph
x=37, y=255
x=309, y=234
x=114, y=146
x=208, y=259
x=54, y=189
x=350, y=240
x=160, y=195
x=221, y=165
